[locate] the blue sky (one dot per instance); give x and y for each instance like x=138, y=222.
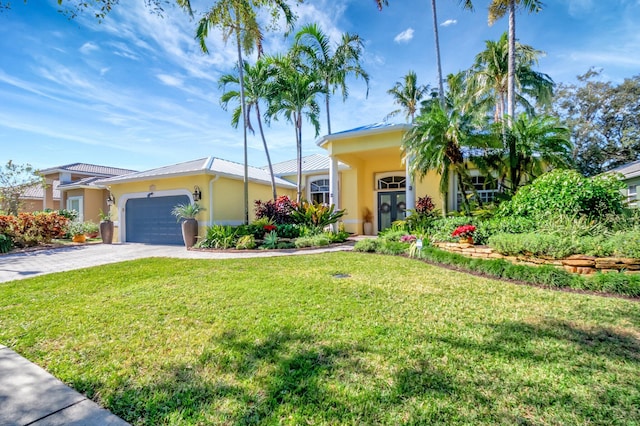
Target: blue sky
x=135, y=91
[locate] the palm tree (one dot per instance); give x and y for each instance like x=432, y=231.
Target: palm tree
x=294, y=95
x=534, y=144
x=257, y=89
x=408, y=95
x=239, y=17
x=466, y=4
x=332, y=68
x=491, y=73
x=440, y=135
x=497, y=9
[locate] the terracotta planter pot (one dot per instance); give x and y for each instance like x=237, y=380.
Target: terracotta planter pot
x=80, y=238
x=106, y=231
x=466, y=240
x=368, y=228
x=189, y=232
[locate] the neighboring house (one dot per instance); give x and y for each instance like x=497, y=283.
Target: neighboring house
x=33, y=198
x=77, y=189
x=144, y=200
x=631, y=173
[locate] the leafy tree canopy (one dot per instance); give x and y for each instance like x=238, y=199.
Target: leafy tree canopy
x=604, y=119
x=15, y=179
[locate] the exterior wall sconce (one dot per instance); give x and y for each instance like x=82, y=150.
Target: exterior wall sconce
x=197, y=194
x=111, y=200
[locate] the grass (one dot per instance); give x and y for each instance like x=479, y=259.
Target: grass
x=283, y=341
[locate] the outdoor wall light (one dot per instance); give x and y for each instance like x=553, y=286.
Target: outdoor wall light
x=111, y=200
x=197, y=194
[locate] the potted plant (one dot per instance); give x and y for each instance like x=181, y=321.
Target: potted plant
x=368, y=222
x=76, y=230
x=106, y=227
x=465, y=233
x=188, y=213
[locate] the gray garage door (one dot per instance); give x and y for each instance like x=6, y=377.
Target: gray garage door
x=149, y=220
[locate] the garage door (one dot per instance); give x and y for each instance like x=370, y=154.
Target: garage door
x=149, y=220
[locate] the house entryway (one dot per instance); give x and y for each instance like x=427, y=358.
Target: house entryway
x=391, y=207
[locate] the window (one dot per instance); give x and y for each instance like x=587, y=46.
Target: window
x=76, y=203
x=632, y=195
x=392, y=182
x=486, y=189
x=319, y=191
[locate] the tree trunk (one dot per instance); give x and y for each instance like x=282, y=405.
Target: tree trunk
x=243, y=109
x=326, y=99
x=266, y=151
x=465, y=200
x=298, y=120
x=511, y=89
x=437, y=39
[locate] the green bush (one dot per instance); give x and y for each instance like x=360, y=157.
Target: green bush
x=614, y=282
x=392, y=247
x=316, y=215
x=219, y=237
x=533, y=244
x=497, y=225
x=5, y=243
x=441, y=229
x=567, y=192
x=288, y=230
x=246, y=242
x=270, y=241
x=368, y=245
x=318, y=240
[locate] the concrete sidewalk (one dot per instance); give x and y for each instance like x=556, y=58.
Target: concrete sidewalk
x=31, y=396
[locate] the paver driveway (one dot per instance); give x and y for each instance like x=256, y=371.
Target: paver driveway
x=24, y=265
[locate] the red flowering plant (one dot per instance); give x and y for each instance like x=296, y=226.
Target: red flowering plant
x=269, y=228
x=464, y=231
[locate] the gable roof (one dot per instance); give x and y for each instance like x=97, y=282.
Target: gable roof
x=629, y=170
x=369, y=129
x=310, y=164
x=209, y=165
x=37, y=191
x=87, y=169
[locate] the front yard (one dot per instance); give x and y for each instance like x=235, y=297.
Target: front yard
x=341, y=338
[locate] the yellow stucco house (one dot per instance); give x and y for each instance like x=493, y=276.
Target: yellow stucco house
x=364, y=169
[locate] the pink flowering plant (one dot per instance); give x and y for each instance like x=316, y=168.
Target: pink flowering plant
x=407, y=238
x=464, y=231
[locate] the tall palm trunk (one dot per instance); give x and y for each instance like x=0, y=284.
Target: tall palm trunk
x=243, y=109
x=266, y=151
x=326, y=100
x=465, y=199
x=511, y=89
x=437, y=39
x=298, y=120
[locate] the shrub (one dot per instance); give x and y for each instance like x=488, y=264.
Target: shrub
x=5, y=243
x=368, y=245
x=288, y=230
x=270, y=240
x=567, y=192
x=246, y=242
x=219, y=237
x=533, y=244
x=442, y=228
x=496, y=225
x=316, y=215
x=28, y=229
x=392, y=247
x=318, y=240
x=278, y=211
x=614, y=283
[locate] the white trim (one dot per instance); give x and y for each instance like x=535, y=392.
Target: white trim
x=80, y=200
x=347, y=134
x=315, y=178
x=122, y=204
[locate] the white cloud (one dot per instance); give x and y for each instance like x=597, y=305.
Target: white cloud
x=405, y=36
x=449, y=22
x=170, y=80
x=88, y=47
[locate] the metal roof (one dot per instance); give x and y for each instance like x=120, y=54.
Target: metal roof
x=629, y=170
x=82, y=183
x=369, y=129
x=87, y=169
x=210, y=165
x=310, y=163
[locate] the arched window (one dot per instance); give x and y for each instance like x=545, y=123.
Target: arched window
x=319, y=191
x=392, y=182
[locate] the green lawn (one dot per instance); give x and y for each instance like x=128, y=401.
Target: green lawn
x=283, y=341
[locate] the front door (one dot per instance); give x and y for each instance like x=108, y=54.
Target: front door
x=391, y=207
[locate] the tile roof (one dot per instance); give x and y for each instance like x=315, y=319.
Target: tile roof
x=37, y=191
x=88, y=169
x=88, y=181
x=629, y=170
x=210, y=165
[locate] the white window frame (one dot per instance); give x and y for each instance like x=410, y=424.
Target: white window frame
x=380, y=176
x=80, y=200
x=632, y=195
x=312, y=179
x=457, y=198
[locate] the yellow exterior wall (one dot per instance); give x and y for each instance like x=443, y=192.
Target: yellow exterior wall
x=224, y=194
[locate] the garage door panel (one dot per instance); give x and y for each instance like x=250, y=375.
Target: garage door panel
x=149, y=220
